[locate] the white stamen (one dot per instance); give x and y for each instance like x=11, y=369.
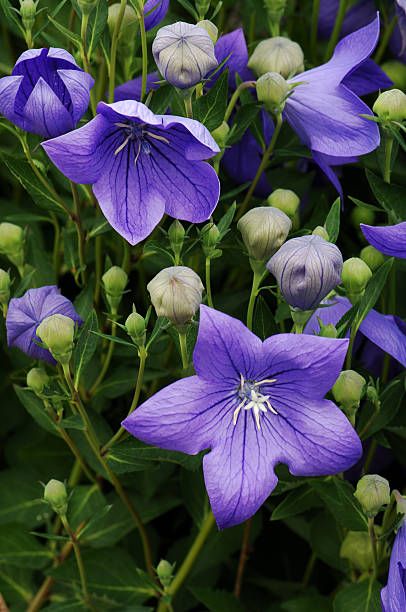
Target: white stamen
x=161, y=138
x=253, y=400
x=123, y=145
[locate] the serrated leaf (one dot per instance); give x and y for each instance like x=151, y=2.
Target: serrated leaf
x=86, y=346
x=332, y=223
x=134, y=455
x=20, y=549
x=359, y=597
x=338, y=497
x=210, y=108
x=296, y=502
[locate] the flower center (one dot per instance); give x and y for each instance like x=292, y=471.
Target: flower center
x=137, y=133
x=252, y=399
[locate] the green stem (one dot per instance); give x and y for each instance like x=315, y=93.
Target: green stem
x=113, y=51
x=208, y=282
x=188, y=106
x=372, y=537
x=183, y=350
x=258, y=275
x=98, y=255
x=106, y=362
x=234, y=98
x=261, y=167
x=385, y=39
x=79, y=562
x=76, y=453
x=144, y=51
x=309, y=570
x=85, y=59
x=79, y=231
x=350, y=348
x=337, y=29
x=243, y=557
x=388, y=158
x=56, y=247
x=314, y=28
x=370, y=456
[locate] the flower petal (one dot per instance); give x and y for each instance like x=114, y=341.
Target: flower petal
x=330, y=313
x=390, y=239
x=394, y=594
x=154, y=12
x=234, y=47
x=132, y=89
x=225, y=348
x=9, y=87
x=387, y=332
x=78, y=84
x=367, y=78
x=44, y=113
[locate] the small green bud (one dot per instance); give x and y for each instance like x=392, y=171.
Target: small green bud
x=400, y=502
x=37, y=380
x=372, y=257
x=164, y=572
x=12, y=243
x=86, y=6
x=373, y=395
x=286, y=200
x=391, y=105
x=210, y=238
x=28, y=11
x=56, y=332
x=356, y=547
x=272, y=90
x=210, y=28
x=355, y=277
x=321, y=231
x=220, y=134
x=5, y=283
x=136, y=328
x=327, y=331
x=348, y=391
x=279, y=55
x=359, y=214
x=114, y=282
x=264, y=229
x=56, y=496
x=176, y=235
x=372, y=492
x=396, y=71
x=128, y=28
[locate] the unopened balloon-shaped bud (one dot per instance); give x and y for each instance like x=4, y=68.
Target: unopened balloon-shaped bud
x=86, y=6
x=372, y=492
x=360, y=214
x=286, y=200
x=56, y=332
x=136, y=328
x=320, y=231
x=396, y=71
x=356, y=548
x=355, y=276
x=184, y=54
x=114, y=282
x=12, y=243
x=391, y=105
x=28, y=11
x=128, y=27
x=272, y=90
x=220, y=134
x=264, y=229
x=5, y=283
x=277, y=54
x=176, y=235
x=56, y=496
x=372, y=257
x=37, y=380
x=210, y=28
x=164, y=572
x=176, y=293
x=348, y=391
x=210, y=238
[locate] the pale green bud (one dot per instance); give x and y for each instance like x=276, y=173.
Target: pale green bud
x=355, y=277
x=220, y=134
x=321, y=231
x=396, y=71
x=277, y=54
x=391, y=105
x=28, y=11
x=164, y=572
x=356, y=547
x=86, y=6
x=286, y=200
x=128, y=28
x=210, y=28
x=372, y=492
x=372, y=257
x=400, y=502
x=5, y=283
x=359, y=214
x=264, y=229
x=176, y=293
x=56, y=496
x=136, y=328
x=176, y=235
x=272, y=90
x=12, y=243
x=37, y=380
x=348, y=391
x=210, y=238
x=56, y=332
x=114, y=282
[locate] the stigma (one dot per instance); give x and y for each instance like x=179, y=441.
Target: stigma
x=252, y=399
x=138, y=133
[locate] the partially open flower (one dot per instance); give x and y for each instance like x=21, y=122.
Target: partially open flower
x=57, y=332
x=176, y=293
x=277, y=54
x=373, y=492
x=264, y=229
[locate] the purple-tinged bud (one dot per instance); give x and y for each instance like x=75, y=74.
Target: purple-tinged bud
x=176, y=293
x=184, y=54
x=12, y=243
x=320, y=231
x=56, y=332
x=164, y=572
x=306, y=269
x=372, y=257
x=286, y=200
x=264, y=229
x=355, y=277
x=56, y=496
x=391, y=105
x=37, y=380
x=114, y=282
x=348, y=391
x=210, y=28
x=277, y=54
x=396, y=71
x=372, y=492
x=272, y=90
x=136, y=328
x=356, y=548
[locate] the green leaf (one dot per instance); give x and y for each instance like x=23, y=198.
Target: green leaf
x=326, y=539
x=217, y=601
x=243, y=118
x=35, y=408
x=86, y=345
x=161, y=99
x=264, y=323
x=114, y=339
x=338, y=497
x=74, y=38
x=19, y=548
x=362, y=204
x=73, y=422
x=98, y=21
x=359, y=597
x=16, y=586
x=133, y=456
x=391, y=197
x=296, y=502
x=210, y=108
x=332, y=223
x=19, y=498
x=391, y=399
x=84, y=502
x=226, y=220
x=373, y=291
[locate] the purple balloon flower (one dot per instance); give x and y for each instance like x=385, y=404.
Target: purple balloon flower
x=388, y=332
x=131, y=90
x=141, y=165
x=253, y=404
x=390, y=239
x=154, y=12
x=393, y=596
x=358, y=15
x=232, y=47
x=47, y=93
x=26, y=313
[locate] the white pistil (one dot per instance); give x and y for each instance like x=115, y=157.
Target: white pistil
x=253, y=400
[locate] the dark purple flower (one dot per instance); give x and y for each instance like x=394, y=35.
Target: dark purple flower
x=47, y=93
x=393, y=596
x=253, y=404
x=154, y=12
x=398, y=39
x=131, y=90
x=26, y=313
x=388, y=332
x=390, y=239
x=234, y=47
x=358, y=15
x=141, y=166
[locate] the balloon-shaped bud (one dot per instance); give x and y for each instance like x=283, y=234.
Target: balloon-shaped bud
x=210, y=238
x=372, y=492
x=136, y=328
x=272, y=90
x=277, y=54
x=355, y=277
x=176, y=235
x=56, y=332
x=286, y=200
x=176, y=293
x=56, y=496
x=210, y=28
x=360, y=214
x=37, y=380
x=356, y=548
x=5, y=283
x=396, y=71
x=164, y=572
x=320, y=231
x=12, y=243
x=372, y=257
x=128, y=27
x=114, y=282
x=391, y=105
x=348, y=390
x=28, y=11
x=184, y=54
x=264, y=229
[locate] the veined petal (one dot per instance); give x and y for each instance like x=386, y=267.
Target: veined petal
x=78, y=84
x=330, y=313
x=321, y=161
x=9, y=86
x=387, y=332
x=367, y=78
x=389, y=239
x=182, y=416
x=154, y=12
x=44, y=113
x=233, y=48
x=60, y=54
x=394, y=594
x=225, y=348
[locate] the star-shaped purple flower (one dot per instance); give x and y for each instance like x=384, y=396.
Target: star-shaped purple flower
x=26, y=313
x=141, y=165
x=389, y=239
x=254, y=404
x=393, y=596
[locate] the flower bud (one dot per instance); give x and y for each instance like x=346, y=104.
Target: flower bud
x=210, y=28
x=320, y=231
x=372, y=257
x=12, y=243
x=277, y=54
x=176, y=235
x=391, y=105
x=348, y=391
x=28, y=11
x=127, y=33
x=306, y=269
x=184, y=54
x=286, y=200
x=56, y=496
x=136, y=328
x=356, y=547
x=355, y=277
x=220, y=134
x=164, y=572
x=272, y=90
x=264, y=230
x=37, y=380
x=396, y=71
x=56, y=332
x=327, y=331
x=176, y=293
x=372, y=492
x=5, y=283
x=359, y=214
x=86, y=6
x=400, y=502
x=114, y=282
x=210, y=236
